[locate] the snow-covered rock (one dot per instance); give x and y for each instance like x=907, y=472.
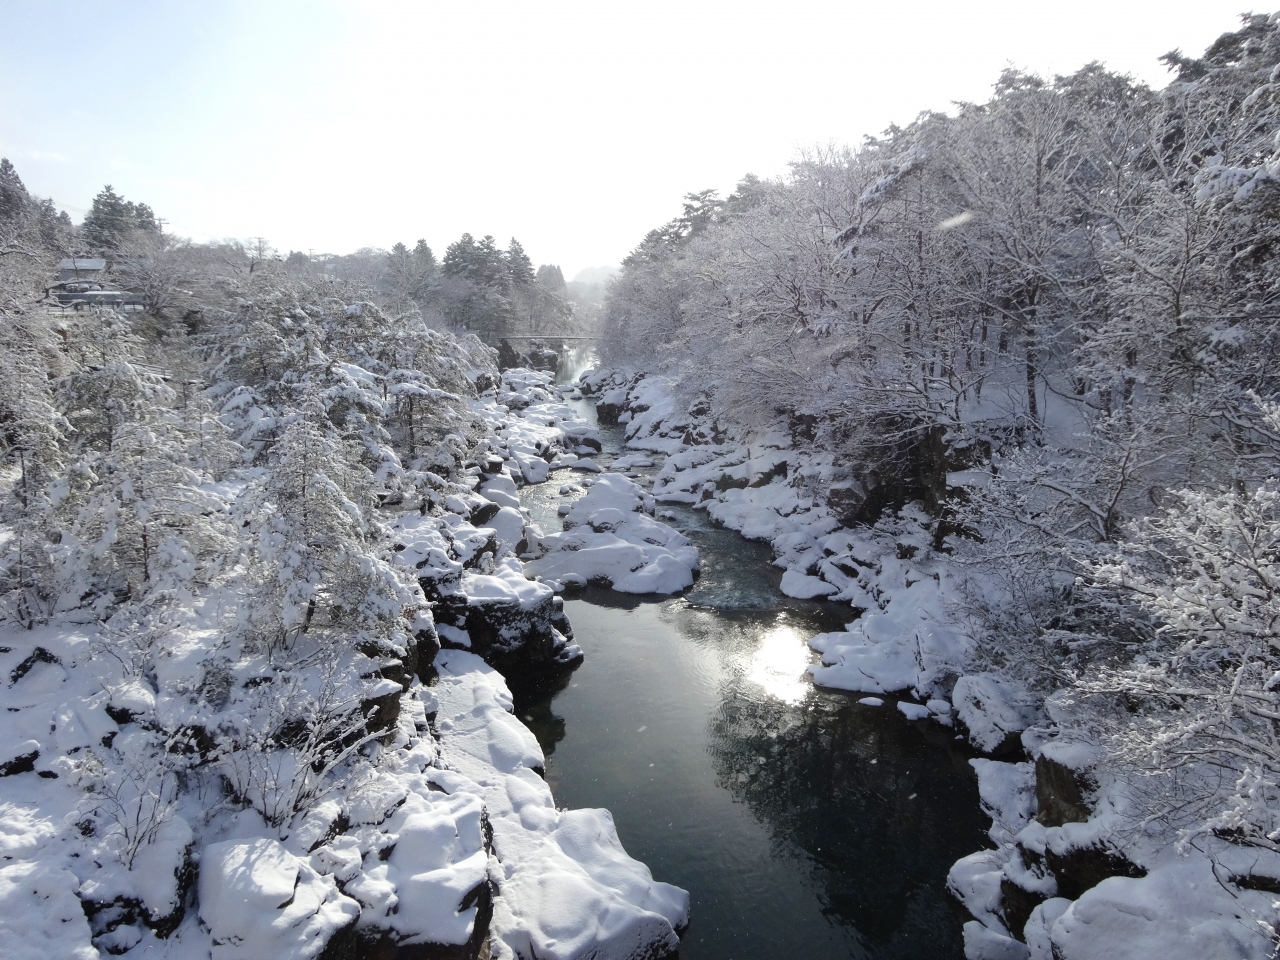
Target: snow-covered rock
x=913, y=711
x=611, y=537
x=1180, y=911
x=481, y=597
x=260, y=902
x=993, y=711
x=40, y=915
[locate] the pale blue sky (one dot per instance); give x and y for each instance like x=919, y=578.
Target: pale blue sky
x=575, y=127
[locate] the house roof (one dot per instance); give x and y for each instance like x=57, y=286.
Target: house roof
x=82, y=263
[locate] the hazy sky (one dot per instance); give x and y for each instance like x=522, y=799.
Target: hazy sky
x=575, y=127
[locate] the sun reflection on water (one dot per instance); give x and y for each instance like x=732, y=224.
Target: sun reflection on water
x=779, y=665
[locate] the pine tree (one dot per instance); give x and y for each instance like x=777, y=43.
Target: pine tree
x=460, y=258
x=14, y=199
x=111, y=219
x=476, y=294
x=519, y=266
x=425, y=259
x=319, y=554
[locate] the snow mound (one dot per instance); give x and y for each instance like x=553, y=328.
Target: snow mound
x=40, y=915
x=260, y=901
x=611, y=537
x=425, y=890
x=805, y=588
x=1179, y=911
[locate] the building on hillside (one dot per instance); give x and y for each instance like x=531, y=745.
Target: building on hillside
x=82, y=282
x=81, y=269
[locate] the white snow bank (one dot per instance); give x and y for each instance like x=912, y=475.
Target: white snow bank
x=40, y=914
x=261, y=902
x=612, y=537
x=903, y=642
x=993, y=710
x=566, y=887
x=1179, y=911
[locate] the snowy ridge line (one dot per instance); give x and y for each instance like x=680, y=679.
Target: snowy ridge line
x=393, y=802
x=1069, y=878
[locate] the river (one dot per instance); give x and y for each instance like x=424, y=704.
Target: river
x=803, y=823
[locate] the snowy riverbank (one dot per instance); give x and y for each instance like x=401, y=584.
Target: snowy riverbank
x=1072, y=875
x=441, y=830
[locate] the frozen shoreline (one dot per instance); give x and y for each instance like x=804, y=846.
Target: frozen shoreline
x=1068, y=878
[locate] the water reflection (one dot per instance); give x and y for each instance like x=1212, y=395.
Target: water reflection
x=802, y=823
x=779, y=663
x=880, y=806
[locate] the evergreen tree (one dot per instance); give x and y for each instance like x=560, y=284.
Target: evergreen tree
x=700, y=210
x=111, y=219
x=551, y=279
x=320, y=554
x=477, y=293
x=460, y=258
x=519, y=266
x=425, y=259
x=14, y=199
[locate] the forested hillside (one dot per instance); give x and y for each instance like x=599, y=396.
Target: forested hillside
x=243, y=509
x=1029, y=349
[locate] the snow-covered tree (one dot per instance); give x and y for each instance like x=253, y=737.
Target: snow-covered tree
x=319, y=555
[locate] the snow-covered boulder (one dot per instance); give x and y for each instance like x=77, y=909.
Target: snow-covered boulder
x=425, y=879
x=993, y=711
x=1180, y=911
x=40, y=915
x=612, y=538
x=261, y=902
x=481, y=598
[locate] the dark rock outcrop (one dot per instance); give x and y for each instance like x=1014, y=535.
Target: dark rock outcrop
x=1081, y=868
x=1060, y=793
x=530, y=354
x=24, y=763
x=512, y=637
